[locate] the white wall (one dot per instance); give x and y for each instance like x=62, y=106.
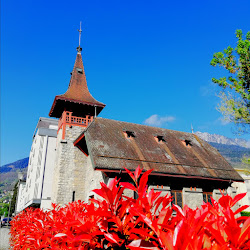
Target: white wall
x=20, y=197
x=243, y=187
x=38, y=187
x=48, y=173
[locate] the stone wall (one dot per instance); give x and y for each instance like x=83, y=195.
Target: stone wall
x=69, y=168
x=73, y=170
x=193, y=197
x=217, y=193
x=92, y=179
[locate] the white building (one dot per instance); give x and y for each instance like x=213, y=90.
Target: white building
x=36, y=192
x=243, y=187
x=20, y=196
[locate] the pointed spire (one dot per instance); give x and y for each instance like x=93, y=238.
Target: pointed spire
x=77, y=93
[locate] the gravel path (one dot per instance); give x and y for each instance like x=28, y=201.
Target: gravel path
x=4, y=238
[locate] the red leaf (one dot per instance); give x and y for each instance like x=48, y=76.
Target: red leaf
x=60, y=235
x=177, y=232
x=130, y=174
x=143, y=181
x=216, y=234
x=237, y=198
x=83, y=237
x=225, y=201
x=178, y=209
x=137, y=172
x=113, y=238
x=241, y=209
x=244, y=230
x=141, y=244
x=128, y=185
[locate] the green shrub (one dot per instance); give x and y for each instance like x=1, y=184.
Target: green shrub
x=245, y=213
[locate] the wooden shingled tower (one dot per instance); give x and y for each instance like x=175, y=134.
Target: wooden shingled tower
x=76, y=107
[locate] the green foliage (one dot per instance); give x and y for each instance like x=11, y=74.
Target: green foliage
x=4, y=207
x=235, y=103
x=245, y=213
x=246, y=160
x=13, y=199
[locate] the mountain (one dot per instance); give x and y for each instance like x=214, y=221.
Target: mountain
x=233, y=150
x=20, y=164
x=9, y=174
x=220, y=139
x=233, y=154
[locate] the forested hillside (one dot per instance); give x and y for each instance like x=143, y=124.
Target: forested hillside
x=9, y=174
x=233, y=154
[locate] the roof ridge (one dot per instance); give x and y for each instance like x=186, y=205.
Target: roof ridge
x=145, y=125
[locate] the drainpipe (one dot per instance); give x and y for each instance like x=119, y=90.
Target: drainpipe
x=44, y=166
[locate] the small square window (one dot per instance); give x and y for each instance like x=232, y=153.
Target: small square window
x=207, y=197
x=79, y=70
x=187, y=143
x=129, y=134
x=160, y=138
x=177, y=198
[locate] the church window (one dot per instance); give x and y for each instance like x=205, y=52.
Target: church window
x=177, y=197
x=129, y=134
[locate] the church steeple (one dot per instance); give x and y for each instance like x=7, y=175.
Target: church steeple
x=77, y=99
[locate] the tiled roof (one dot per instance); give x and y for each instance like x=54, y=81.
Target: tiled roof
x=77, y=92
x=166, y=151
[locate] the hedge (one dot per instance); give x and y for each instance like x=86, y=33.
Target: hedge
x=115, y=221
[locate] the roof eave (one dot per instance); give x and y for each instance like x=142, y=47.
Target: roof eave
x=172, y=175
x=98, y=104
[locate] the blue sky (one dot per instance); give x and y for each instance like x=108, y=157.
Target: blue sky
x=148, y=61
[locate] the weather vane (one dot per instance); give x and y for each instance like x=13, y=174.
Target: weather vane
x=80, y=31
x=192, y=129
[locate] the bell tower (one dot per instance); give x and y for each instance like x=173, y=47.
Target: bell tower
x=76, y=109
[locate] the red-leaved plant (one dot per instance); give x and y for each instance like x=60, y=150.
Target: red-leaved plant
x=120, y=222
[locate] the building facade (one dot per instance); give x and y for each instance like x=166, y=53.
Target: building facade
x=37, y=189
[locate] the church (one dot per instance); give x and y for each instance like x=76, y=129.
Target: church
x=75, y=150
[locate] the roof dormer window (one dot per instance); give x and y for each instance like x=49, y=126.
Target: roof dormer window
x=186, y=143
x=129, y=134
x=160, y=138
x=79, y=70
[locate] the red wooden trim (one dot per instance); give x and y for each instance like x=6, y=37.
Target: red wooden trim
x=68, y=120
x=63, y=124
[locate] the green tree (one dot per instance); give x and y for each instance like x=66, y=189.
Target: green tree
x=13, y=199
x=4, y=207
x=235, y=96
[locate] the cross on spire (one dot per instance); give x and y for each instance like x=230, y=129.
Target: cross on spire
x=79, y=49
